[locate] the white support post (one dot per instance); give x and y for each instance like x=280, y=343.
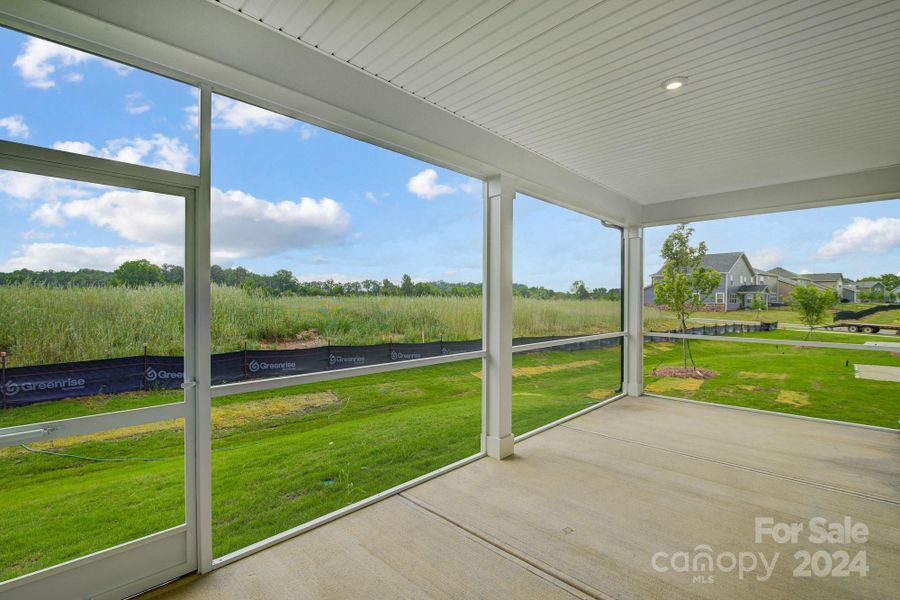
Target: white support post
x=634, y=311
x=201, y=351
x=499, y=194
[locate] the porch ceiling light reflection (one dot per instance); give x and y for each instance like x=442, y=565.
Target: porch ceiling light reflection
x=674, y=83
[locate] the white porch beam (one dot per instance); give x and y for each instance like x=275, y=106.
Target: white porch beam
x=634, y=311
x=199, y=297
x=498, y=219
x=850, y=188
x=271, y=69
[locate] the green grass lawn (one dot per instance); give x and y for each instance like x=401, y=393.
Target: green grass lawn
x=786, y=314
x=280, y=458
x=887, y=317
x=814, y=382
x=283, y=457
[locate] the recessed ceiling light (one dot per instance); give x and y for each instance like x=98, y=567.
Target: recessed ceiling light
x=674, y=83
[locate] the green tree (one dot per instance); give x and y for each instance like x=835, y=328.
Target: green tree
x=578, y=290
x=173, y=273
x=890, y=281
x=406, y=286
x=683, y=278
x=759, y=304
x=812, y=303
x=134, y=273
x=389, y=288
x=283, y=281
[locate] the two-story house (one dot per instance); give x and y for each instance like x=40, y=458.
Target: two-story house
x=738, y=283
x=872, y=290
x=787, y=280
x=835, y=281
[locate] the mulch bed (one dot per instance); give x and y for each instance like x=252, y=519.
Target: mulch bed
x=689, y=373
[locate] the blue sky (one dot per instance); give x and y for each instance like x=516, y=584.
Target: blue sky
x=290, y=195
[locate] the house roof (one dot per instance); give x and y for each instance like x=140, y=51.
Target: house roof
x=779, y=275
x=787, y=274
x=867, y=284
x=751, y=289
x=824, y=276
x=721, y=262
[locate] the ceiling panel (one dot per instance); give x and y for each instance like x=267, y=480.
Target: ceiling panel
x=779, y=90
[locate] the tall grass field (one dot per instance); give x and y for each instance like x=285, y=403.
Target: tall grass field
x=46, y=325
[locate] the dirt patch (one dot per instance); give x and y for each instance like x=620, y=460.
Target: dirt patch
x=540, y=370
x=600, y=394
x=223, y=417
x=754, y=375
x=241, y=413
x=688, y=373
x=793, y=398
x=749, y=388
x=309, y=338
x=674, y=384
x=661, y=346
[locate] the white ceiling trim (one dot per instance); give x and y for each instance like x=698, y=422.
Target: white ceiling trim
x=851, y=188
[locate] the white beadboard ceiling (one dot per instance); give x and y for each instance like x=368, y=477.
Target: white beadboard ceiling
x=779, y=90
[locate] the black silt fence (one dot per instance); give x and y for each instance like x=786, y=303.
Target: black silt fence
x=28, y=385
x=716, y=330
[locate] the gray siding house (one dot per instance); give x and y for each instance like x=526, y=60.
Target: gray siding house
x=871, y=289
x=738, y=283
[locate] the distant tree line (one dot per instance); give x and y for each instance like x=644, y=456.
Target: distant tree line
x=135, y=273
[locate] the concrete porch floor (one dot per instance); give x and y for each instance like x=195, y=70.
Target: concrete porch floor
x=583, y=508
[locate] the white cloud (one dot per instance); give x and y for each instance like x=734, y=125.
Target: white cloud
x=136, y=104
x=15, y=126
x=863, y=235
x=70, y=257
x=370, y=196
x=766, y=258
x=245, y=118
x=25, y=186
x=40, y=59
x=156, y=151
x=242, y=225
x=34, y=234
x=425, y=185
x=471, y=186
x=49, y=213
x=76, y=147
x=245, y=226
x=143, y=217
x=306, y=132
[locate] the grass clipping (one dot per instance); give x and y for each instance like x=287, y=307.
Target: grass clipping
x=223, y=417
x=793, y=398
x=542, y=369
x=674, y=384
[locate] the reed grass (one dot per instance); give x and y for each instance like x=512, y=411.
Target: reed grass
x=45, y=325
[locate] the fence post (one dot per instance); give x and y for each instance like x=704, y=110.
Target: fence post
x=145, y=385
x=442, y=344
x=3, y=359
x=244, y=361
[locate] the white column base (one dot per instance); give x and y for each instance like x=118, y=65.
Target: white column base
x=500, y=448
x=634, y=389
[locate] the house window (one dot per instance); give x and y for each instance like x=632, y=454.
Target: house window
x=720, y=297
x=732, y=298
